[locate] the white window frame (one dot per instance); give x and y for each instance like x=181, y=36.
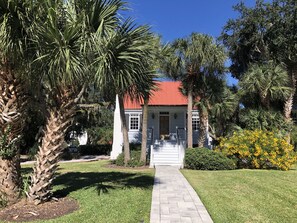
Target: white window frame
x=195, y=124
x=134, y=115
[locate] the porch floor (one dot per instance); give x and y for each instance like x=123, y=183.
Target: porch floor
x=174, y=200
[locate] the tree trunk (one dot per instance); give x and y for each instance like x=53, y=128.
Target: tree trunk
x=289, y=102
x=144, y=130
x=203, y=122
x=10, y=179
x=125, y=131
x=51, y=148
x=47, y=158
x=265, y=100
x=189, y=122
x=12, y=111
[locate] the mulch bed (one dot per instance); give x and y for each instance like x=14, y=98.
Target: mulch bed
x=23, y=211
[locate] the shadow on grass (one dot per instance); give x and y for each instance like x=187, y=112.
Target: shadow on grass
x=102, y=182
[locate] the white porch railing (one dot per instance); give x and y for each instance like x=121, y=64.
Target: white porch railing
x=168, y=152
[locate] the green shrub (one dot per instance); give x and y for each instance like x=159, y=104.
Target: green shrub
x=32, y=152
x=133, y=162
x=254, y=119
x=206, y=159
x=135, y=146
x=258, y=149
x=95, y=149
x=67, y=155
x=8, y=146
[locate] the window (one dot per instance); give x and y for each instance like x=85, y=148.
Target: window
x=195, y=123
x=134, y=121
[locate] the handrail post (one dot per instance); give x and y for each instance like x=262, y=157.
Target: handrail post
x=152, y=148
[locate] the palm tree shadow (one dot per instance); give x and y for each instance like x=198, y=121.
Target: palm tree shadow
x=102, y=182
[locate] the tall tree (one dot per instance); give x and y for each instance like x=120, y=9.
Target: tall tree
x=66, y=40
x=14, y=77
x=121, y=66
x=265, y=32
x=282, y=38
x=245, y=38
x=223, y=112
x=268, y=82
x=62, y=65
x=157, y=52
x=194, y=59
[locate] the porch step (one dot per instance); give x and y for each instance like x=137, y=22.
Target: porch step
x=166, y=146
x=166, y=150
x=167, y=164
x=166, y=158
x=166, y=153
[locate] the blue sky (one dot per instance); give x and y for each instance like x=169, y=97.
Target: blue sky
x=179, y=18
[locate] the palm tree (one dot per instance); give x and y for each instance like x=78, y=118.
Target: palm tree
x=66, y=38
x=153, y=62
x=147, y=92
x=223, y=112
x=14, y=76
x=194, y=59
x=267, y=81
x=121, y=66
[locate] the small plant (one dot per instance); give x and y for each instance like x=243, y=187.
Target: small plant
x=3, y=201
x=26, y=184
x=8, y=147
x=133, y=162
x=32, y=152
x=259, y=149
x=206, y=159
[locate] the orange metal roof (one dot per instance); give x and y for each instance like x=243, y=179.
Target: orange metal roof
x=167, y=94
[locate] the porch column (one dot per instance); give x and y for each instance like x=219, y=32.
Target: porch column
x=117, y=142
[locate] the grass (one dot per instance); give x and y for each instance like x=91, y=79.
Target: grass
x=247, y=195
x=104, y=194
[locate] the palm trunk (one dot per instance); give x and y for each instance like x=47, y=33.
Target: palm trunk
x=189, y=122
x=203, y=122
x=47, y=159
x=265, y=100
x=125, y=131
x=289, y=102
x=51, y=148
x=10, y=178
x=144, y=131
x=12, y=109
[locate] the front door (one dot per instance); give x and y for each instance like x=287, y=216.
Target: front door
x=164, y=126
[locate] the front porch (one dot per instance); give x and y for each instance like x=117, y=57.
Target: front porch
x=164, y=123
x=166, y=133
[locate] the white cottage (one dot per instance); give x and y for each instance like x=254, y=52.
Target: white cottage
x=167, y=118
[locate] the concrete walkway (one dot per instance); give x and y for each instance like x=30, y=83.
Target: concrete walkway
x=174, y=200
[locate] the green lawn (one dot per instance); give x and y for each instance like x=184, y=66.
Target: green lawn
x=104, y=194
x=247, y=195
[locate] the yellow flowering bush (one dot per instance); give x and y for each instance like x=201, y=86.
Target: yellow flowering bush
x=258, y=149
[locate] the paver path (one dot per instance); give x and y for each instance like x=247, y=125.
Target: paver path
x=174, y=199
